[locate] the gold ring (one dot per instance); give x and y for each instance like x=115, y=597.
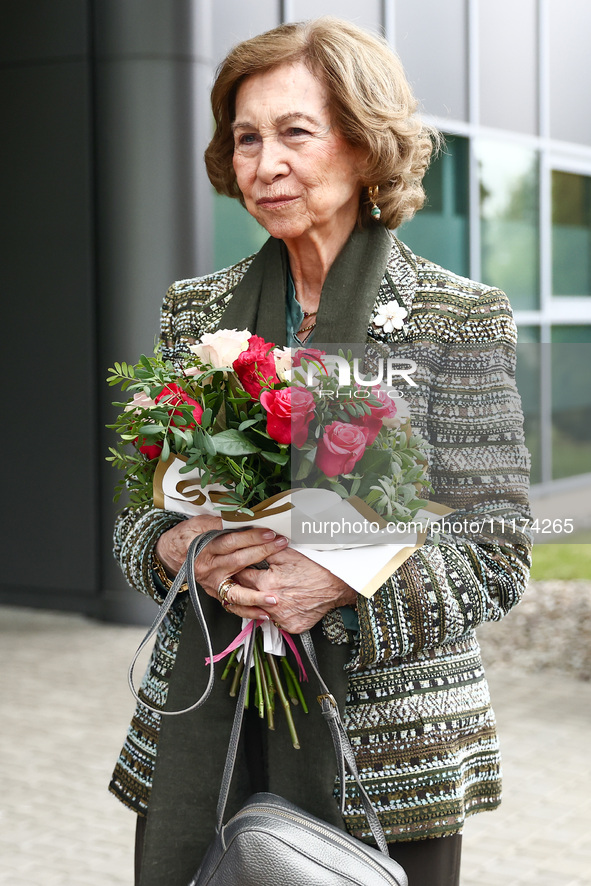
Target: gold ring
x=224, y=587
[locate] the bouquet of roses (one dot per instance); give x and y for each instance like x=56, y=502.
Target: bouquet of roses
x=239, y=427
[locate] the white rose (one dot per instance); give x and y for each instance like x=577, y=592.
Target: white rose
x=283, y=363
x=221, y=348
x=402, y=414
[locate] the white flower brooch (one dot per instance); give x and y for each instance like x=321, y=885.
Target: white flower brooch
x=390, y=316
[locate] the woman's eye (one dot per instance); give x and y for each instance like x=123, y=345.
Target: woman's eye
x=246, y=139
x=296, y=131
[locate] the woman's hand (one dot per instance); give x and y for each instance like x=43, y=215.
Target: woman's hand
x=304, y=591
x=223, y=558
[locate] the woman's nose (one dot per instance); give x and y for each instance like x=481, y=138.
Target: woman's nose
x=272, y=160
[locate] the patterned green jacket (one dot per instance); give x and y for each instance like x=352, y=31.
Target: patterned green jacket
x=418, y=710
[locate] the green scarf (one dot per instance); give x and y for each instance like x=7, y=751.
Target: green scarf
x=348, y=294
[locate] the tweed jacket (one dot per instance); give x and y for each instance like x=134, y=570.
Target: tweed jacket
x=418, y=710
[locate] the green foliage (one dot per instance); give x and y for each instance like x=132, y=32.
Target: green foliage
x=231, y=446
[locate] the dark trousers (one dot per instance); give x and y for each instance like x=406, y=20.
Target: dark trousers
x=426, y=862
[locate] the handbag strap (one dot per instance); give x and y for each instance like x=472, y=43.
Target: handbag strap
x=342, y=746
x=185, y=574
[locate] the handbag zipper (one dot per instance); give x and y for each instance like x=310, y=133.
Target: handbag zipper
x=310, y=824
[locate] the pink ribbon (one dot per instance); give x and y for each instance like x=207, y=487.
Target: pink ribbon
x=289, y=640
x=239, y=641
x=236, y=642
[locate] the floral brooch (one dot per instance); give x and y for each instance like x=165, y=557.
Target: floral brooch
x=390, y=316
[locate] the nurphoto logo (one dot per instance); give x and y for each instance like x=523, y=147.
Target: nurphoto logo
x=387, y=372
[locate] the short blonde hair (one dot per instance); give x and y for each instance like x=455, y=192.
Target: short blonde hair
x=372, y=107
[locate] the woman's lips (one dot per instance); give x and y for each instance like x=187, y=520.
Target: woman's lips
x=276, y=202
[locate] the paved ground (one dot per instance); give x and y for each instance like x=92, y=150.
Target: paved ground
x=61, y=730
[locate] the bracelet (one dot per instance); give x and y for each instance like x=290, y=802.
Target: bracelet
x=162, y=574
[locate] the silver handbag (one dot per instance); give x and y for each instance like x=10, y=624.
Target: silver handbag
x=270, y=841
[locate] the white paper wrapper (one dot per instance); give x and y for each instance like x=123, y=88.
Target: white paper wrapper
x=364, y=558
x=273, y=642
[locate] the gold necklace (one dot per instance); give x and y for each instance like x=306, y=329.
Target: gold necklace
x=307, y=328
x=311, y=326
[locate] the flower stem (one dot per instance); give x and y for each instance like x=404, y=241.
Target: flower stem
x=236, y=680
x=270, y=684
x=284, y=701
x=258, y=695
x=289, y=683
x=296, y=684
x=231, y=664
x=266, y=696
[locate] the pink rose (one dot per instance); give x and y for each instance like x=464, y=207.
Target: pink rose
x=391, y=417
x=289, y=412
x=340, y=448
x=255, y=367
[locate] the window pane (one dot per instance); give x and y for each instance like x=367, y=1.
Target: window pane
x=571, y=234
x=571, y=400
x=234, y=20
x=367, y=14
x=528, y=376
x=509, y=225
x=508, y=91
x=236, y=233
x=432, y=42
x=570, y=70
x=439, y=231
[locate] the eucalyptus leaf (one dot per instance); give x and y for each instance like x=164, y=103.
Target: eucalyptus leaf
x=208, y=443
x=278, y=458
x=338, y=487
x=151, y=430
x=306, y=466
x=233, y=442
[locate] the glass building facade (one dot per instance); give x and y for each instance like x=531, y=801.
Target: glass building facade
x=509, y=196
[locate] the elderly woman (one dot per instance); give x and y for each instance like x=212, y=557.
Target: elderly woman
x=315, y=134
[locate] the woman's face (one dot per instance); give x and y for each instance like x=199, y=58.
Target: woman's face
x=298, y=176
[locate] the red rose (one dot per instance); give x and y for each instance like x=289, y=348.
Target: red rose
x=255, y=367
x=289, y=412
x=302, y=413
x=310, y=354
x=150, y=450
x=340, y=448
x=374, y=421
x=174, y=396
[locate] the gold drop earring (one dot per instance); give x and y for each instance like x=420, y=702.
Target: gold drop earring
x=375, y=211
